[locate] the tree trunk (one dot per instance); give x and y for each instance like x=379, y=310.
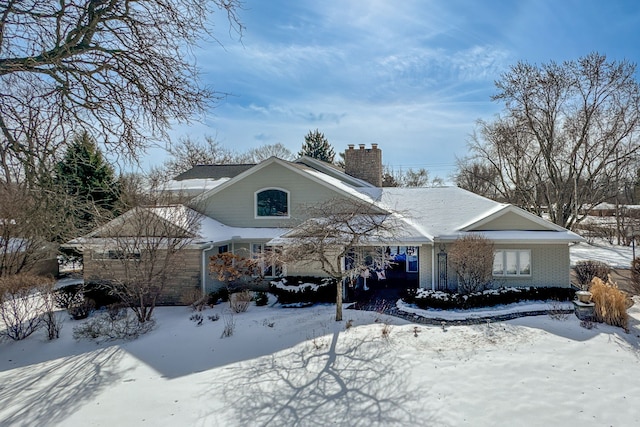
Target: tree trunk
x=339, y=287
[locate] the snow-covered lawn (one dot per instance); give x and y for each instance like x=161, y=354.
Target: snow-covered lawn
x=616, y=256
x=286, y=367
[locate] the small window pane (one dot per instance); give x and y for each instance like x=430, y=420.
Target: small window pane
x=412, y=259
x=272, y=203
x=511, y=262
x=498, y=263
x=525, y=262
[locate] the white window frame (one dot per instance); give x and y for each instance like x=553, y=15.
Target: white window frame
x=518, y=252
x=115, y=255
x=255, y=204
x=274, y=267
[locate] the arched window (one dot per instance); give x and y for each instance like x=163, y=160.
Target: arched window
x=272, y=202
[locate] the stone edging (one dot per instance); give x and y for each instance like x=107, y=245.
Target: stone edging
x=416, y=318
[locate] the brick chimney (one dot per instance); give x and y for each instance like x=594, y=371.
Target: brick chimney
x=364, y=163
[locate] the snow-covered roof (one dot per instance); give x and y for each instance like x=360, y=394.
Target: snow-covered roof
x=193, y=186
x=436, y=211
x=611, y=206
x=205, y=230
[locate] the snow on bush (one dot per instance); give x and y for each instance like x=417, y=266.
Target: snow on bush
x=427, y=298
x=304, y=289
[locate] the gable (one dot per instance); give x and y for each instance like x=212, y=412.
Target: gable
x=510, y=221
x=234, y=203
x=512, y=218
x=148, y=222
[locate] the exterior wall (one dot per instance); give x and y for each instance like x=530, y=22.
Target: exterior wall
x=181, y=281
x=550, y=266
x=511, y=221
x=305, y=269
x=424, y=258
x=235, y=205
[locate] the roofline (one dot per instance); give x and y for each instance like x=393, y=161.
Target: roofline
x=332, y=169
x=514, y=209
x=288, y=165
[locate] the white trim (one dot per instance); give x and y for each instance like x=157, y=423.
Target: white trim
x=204, y=267
x=547, y=225
x=504, y=263
x=255, y=203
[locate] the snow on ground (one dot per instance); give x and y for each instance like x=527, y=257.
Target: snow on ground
x=300, y=367
x=615, y=255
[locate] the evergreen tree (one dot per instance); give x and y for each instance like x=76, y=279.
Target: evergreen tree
x=85, y=176
x=317, y=146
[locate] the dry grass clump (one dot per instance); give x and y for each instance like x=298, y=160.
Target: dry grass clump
x=240, y=301
x=610, y=303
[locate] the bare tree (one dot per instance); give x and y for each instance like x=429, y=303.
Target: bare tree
x=122, y=70
x=256, y=155
x=566, y=132
x=337, y=230
x=138, y=252
x=409, y=178
x=477, y=177
x=188, y=153
x=31, y=221
x=472, y=259
x=26, y=305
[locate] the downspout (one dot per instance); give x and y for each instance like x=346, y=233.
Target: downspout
x=204, y=268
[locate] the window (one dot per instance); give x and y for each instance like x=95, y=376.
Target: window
x=271, y=267
x=222, y=249
x=116, y=254
x=407, y=255
x=512, y=262
x=272, y=202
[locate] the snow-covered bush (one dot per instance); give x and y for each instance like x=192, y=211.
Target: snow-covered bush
x=104, y=327
x=261, y=299
x=290, y=290
x=426, y=298
x=214, y=297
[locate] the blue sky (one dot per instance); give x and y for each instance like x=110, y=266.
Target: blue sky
x=412, y=76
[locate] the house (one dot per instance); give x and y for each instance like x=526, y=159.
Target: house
x=250, y=212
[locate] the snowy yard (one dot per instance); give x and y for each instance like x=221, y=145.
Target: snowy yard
x=299, y=367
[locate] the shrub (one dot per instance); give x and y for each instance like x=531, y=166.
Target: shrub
x=424, y=298
x=103, y=327
x=81, y=310
x=194, y=299
x=239, y=301
x=229, y=326
x=23, y=301
x=197, y=318
x=471, y=257
x=298, y=289
x=610, y=303
x=68, y=296
x=50, y=319
x=221, y=294
x=261, y=299
x=587, y=270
